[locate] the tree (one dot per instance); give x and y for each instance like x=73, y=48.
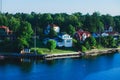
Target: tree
x=83, y=48
x=70, y=30
x=23, y=36
x=112, y=42
x=109, y=42
x=22, y=43
x=58, y=19
x=46, y=19
x=51, y=44
x=25, y=30
x=88, y=24
x=14, y=24
x=92, y=41
x=3, y=20
x=97, y=22
x=52, y=33
x=108, y=21
x=87, y=45
x=117, y=23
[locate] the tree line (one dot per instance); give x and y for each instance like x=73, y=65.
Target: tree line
x=24, y=25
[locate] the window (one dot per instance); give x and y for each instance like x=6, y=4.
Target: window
x=68, y=41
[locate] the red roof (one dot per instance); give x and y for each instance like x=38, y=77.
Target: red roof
x=113, y=33
x=81, y=32
x=6, y=29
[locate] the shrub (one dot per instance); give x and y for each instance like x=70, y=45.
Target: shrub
x=92, y=41
x=51, y=44
x=83, y=49
x=87, y=45
x=37, y=50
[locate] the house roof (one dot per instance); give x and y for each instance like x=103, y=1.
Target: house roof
x=81, y=32
x=112, y=33
x=53, y=25
x=6, y=28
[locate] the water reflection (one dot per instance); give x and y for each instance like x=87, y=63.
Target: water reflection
x=64, y=69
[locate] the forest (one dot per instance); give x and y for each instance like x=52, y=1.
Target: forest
x=24, y=25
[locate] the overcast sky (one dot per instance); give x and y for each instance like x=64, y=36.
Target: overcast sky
x=62, y=6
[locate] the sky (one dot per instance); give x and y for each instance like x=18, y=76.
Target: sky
x=111, y=7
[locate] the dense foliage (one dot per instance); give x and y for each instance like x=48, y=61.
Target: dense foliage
x=24, y=25
x=51, y=45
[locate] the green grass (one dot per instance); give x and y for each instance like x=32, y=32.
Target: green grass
x=42, y=47
x=55, y=51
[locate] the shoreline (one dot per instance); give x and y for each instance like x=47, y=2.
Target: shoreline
x=93, y=52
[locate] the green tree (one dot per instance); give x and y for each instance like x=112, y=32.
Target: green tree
x=22, y=43
x=14, y=24
x=24, y=34
x=25, y=30
x=112, y=42
x=108, y=21
x=83, y=48
x=52, y=33
x=87, y=45
x=46, y=19
x=58, y=19
x=117, y=23
x=92, y=41
x=51, y=44
x=88, y=24
x=70, y=30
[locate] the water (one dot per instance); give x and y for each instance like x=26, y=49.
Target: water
x=105, y=67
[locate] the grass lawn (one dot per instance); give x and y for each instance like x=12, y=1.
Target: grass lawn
x=55, y=51
x=42, y=47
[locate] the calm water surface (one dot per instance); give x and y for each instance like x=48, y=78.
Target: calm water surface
x=106, y=67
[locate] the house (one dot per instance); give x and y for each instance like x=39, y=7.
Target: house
x=109, y=29
x=25, y=50
x=104, y=34
x=95, y=35
x=82, y=35
x=64, y=40
x=110, y=32
x=55, y=28
x=5, y=32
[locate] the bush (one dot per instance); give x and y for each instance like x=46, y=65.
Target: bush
x=92, y=41
x=37, y=50
x=87, y=45
x=83, y=49
x=51, y=44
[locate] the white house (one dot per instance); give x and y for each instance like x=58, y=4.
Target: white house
x=104, y=34
x=66, y=40
x=26, y=50
x=110, y=29
x=55, y=28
